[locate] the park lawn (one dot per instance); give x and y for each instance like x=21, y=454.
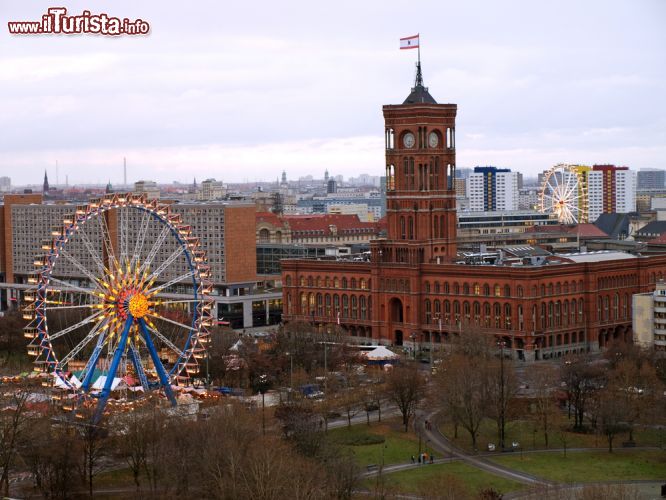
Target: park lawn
x=117, y=478
x=398, y=445
x=430, y=477
x=522, y=431
x=589, y=466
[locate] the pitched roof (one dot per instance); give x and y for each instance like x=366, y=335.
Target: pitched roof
x=614, y=225
x=654, y=228
x=326, y=224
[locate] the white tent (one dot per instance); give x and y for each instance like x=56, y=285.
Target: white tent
x=101, y=380
x=60, y=383
x=381, y=353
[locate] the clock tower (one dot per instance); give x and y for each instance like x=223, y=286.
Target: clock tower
x=420, y=179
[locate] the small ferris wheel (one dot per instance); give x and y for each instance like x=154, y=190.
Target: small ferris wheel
x=564, y=193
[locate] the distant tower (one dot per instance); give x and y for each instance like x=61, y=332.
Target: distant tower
x=109, y=187
x=46, y=183
x=284, y=177
x=326, y=176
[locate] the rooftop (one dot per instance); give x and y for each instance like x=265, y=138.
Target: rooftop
x=599, y=256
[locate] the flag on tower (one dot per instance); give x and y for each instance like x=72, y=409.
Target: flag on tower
x=410, y=42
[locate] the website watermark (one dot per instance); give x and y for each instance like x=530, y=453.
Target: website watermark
x=57, y=22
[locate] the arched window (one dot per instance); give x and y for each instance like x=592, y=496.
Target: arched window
x=447, y=312
x=362, y=284
x=507, y=316
x=304, y=303
x=606, y=308
x=336, y=305
x=558, y=318
x=521, y=322
x=477, y=288
x=573, y=286
x=543, y=315
x=344, y=282
x=288, y=280
x=361, y=301
x=497, y=291
x=264, y=236
x=310, y=281
x=486, y=314
x=437, y=289
x=327, y=282
x=289, y=309
x=426, y=287
x=345, y=306
x=625, y=306
x=456, y=289
x=354, y=307
x=616, y=306
x=428, y=311
x=456, y=311
x=543, y=290
x=311, y=299
x=550, y=314
x=477, y=313
x=466, y=312
x=507, y=291
x=302, y=281
x=353, y=283
x=438, y=308
x=320, y=305
x=446, y=288
x=327, y=302
x=498, y=315
x=336, y=282
x=486, y=290
x=318, y=281
x=565, y=312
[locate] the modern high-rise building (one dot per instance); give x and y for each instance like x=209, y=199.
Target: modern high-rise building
x=492, y=188
x=610, y=189
x=651, y=178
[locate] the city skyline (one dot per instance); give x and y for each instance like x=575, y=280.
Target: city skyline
x=241, y=100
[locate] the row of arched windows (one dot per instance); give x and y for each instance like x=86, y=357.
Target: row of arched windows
x=611, y=308
x=328, y=282
x=617, y=281
x=496, y=290
x=394, y=285
x=335, y=306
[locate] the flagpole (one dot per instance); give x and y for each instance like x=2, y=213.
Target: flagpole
x=419, y=49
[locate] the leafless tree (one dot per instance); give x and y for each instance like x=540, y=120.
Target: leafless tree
x=405, y=387
x=582, y=377
x=542, y=379
x=13, y=426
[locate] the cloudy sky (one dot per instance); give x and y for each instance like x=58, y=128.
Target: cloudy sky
x=242, y=90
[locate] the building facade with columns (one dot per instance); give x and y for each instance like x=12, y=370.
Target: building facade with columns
x=415, y=288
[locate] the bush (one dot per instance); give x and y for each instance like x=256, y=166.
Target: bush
x=361, y=440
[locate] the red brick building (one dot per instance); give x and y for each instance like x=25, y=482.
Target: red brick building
x=415, y=288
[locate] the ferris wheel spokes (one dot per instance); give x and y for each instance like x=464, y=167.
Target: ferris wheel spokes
x=159, y=368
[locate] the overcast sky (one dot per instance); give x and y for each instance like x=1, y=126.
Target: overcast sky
x=242, y=90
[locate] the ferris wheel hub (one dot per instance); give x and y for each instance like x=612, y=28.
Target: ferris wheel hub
x=138, y=305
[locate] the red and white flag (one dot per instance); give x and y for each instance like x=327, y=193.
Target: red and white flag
x=410, y=42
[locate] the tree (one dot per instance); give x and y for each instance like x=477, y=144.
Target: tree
x=582, y=377
x=92, y=441
x=13, y=426
x=501, y=389
x=405, y=387
x=462, y=388
x=610, y=413
x=541, y=383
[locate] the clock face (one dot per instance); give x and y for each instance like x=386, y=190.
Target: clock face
x=433, y=140
x=408, y=140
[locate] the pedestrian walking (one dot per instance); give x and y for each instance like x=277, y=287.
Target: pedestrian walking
x=413, y=459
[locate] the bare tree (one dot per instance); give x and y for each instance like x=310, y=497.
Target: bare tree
x=405, y=387
x=13, y=426
x=541, y=379
x=92, y=441
x=462, y=388
x=582, y=377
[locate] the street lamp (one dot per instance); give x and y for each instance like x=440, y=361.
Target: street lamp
x=501, y=345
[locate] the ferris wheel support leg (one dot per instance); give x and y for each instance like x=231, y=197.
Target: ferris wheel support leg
x=136, y=361
x=120, y=349
x=92, y=363
x=161, y=372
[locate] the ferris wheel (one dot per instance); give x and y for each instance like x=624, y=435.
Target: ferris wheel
x=121, y=296
x=564, y=193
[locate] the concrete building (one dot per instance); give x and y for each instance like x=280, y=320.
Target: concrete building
x=210, y=189
x=5, y=184
x=610, y=189
x=492, y=188
x=651, y=178
x=649, y=318
x=150, y=188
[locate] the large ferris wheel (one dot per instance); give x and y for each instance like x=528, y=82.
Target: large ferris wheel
x=564, y=193
x=121, y=293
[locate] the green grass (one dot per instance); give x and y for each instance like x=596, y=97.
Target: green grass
x=590, y=466
x=398, y=446
x=429, y=478
x=522, y=431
